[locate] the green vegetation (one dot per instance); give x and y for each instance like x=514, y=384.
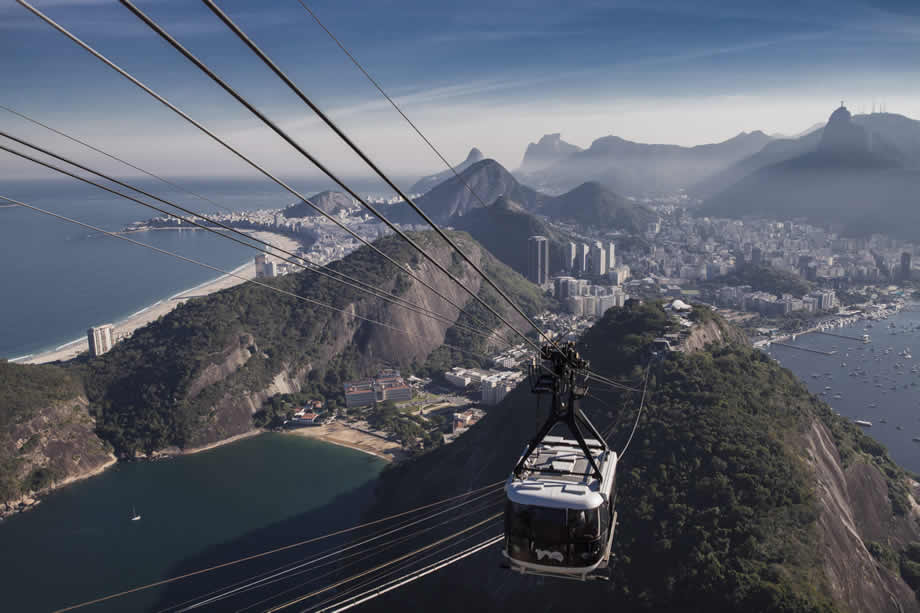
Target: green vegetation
x=767, y=279
x=24, y=390
x=716, y=506
x=910, y=566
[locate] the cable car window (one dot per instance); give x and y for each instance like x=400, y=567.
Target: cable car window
x=548, y=526
x=583, y=525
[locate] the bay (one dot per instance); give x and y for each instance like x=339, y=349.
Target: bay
x=893, y=390
x=80, y=542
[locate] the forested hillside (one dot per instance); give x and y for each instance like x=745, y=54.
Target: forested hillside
x=198, y=374
x=739, y=491
x=46, y=433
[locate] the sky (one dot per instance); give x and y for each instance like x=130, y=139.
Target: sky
x=494, y=75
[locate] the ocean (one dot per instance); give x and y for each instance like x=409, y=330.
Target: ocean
x=196, y=510
x=59, y=279
x=888, y=395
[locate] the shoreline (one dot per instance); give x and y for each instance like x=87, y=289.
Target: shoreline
x=173, y=452
x=13, y=507
x=128, y=325
x=342, y=435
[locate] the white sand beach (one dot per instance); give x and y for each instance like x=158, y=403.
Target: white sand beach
x=155, y=311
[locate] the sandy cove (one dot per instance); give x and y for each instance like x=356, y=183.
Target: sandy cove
x=152, y=313
x=342, y=434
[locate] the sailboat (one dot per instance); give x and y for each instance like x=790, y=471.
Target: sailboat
x=134, y=515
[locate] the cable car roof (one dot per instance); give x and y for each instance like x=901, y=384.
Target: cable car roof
x=559, y=476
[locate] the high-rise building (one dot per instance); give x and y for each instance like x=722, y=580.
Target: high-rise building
x=101, y=339
x=756, y=256
x=598, y=259
x=265, y=268
x=564, y=287
x=538, y=259
x=905, y=265
x=581, y=257
x=611, y=255
x=570, y=251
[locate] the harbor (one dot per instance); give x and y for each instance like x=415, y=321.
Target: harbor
x=873, y=384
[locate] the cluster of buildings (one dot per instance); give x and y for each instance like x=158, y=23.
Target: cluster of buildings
x=597, y=259
x=581, y=297
x=493, y=385
x=689, y=248
x=387, y=385
x=743, y=297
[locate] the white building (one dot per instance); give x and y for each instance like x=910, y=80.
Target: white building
x=101, y=339
x=598, y=259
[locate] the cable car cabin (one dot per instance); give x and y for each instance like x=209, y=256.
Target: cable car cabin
x=559, y=518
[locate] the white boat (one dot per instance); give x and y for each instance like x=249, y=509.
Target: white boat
x=134, y=515
x=863, y=422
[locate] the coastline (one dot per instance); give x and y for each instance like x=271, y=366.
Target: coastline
x=151, y=313
x=342, y=435
x=172, y=452
x=27, y=502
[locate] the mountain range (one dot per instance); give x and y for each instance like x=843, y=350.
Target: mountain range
x=588, y=204
x=639, y=169
x=860, y=174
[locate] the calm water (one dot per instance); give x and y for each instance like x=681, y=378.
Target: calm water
x=885, y=384
x=79, y=543
x=58, y=279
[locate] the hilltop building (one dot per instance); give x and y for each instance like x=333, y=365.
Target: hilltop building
x=101, y=339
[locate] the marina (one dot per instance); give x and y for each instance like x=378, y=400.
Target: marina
x=876, y=386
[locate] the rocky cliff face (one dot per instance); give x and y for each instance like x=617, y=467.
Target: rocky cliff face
x=855, y=513
x=53, y=446
x=550, y=149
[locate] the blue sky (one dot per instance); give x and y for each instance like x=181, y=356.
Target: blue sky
x=487, y=74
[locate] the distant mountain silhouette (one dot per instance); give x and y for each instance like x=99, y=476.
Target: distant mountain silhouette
x=426, y=183
x=853, y=178
x=889, y=136
x=504, y=227
x=641, y=169
x=330, y=202
x=595, y=205
x=550, y=149
x=487, y=178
